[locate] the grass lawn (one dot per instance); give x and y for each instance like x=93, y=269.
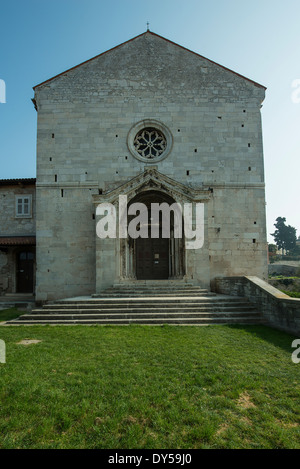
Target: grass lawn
x=293, y=294
x=158, y=387
x=11, y=313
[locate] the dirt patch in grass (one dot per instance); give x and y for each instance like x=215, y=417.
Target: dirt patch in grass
x=222, y=429
x=287, y=425
x=28, y=341
x=130, y=420
x=245, y=402
x=100, y=420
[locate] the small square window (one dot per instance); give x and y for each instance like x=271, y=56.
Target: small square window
x=23, y=206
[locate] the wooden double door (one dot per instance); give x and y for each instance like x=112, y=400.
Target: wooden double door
x=152, y=258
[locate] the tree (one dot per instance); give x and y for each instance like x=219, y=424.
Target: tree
x=284, y=235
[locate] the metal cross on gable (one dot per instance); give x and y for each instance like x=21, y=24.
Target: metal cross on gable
x=147, y=25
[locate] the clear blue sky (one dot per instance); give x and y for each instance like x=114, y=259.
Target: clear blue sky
x=258, y=39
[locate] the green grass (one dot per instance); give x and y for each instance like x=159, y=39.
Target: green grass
x=293, y=294
x=9, y=314
x=283, y=277
x=149, y=387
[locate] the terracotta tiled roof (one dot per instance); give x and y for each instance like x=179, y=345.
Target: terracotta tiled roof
x=19, y=181
x=17, y=240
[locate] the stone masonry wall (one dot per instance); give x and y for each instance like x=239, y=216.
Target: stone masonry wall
x=11, y=225
x=84, y=117
x=280, y=310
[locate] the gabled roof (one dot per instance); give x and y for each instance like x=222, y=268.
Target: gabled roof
x=160, y=37
x=149, y=180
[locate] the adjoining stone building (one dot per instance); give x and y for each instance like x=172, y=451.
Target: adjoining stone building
x=17, y=236
x=157, y=123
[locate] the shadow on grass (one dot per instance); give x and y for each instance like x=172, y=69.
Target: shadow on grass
x=273, y=336
x=11, y=313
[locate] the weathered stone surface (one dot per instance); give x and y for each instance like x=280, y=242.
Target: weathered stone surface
x=279, y=310
x=84, y=119
x=13, y=226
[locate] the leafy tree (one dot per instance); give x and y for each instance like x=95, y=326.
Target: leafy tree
x=284, y=235
x=296, y=251
x=272, y=248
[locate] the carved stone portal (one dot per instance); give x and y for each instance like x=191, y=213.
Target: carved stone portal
x=153, y=258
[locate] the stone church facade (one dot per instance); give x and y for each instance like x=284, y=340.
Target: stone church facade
x=157, y=123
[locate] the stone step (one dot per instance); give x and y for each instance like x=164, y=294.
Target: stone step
x=151, y=294
x=207, y=320
x=145, y=308
x=156, y=288
x=113, y=313
x=137, y=315
x=155, y=283
x=149, y=310
x=150, y=304
x=133, y=303
x=209, y=298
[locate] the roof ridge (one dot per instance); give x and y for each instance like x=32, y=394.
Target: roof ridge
x=156, y=35
x=92, y=58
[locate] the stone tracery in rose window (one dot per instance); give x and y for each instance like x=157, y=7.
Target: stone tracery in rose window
x=150, y=143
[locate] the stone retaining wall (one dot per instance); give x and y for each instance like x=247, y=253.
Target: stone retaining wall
x=280, y=310
x=283, y=269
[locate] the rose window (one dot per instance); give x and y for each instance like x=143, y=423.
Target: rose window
x=150, y=143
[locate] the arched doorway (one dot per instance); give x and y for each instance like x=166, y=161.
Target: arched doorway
x=160, y=257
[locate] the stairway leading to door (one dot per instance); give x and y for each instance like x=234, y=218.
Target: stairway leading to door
x=147, y=303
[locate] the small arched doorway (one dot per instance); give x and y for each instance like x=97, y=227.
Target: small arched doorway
x=160, y=257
